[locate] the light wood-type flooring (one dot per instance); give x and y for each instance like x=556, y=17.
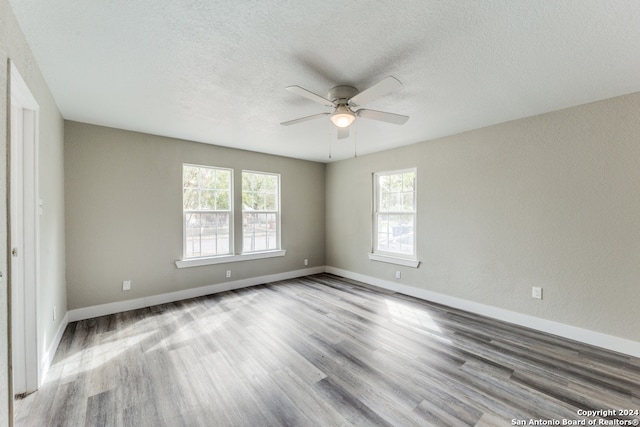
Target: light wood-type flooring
x=321, y=351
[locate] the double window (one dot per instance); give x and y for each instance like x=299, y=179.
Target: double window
x=395, y=213
x=208, y=210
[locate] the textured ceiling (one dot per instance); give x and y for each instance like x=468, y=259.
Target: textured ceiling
x=215, y=71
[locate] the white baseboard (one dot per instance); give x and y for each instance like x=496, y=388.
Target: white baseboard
x=598, y=339
x=133, y=304
x=47, y=357
x=586, y=336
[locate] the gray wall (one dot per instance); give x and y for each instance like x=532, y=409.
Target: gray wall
x=551, y=200
x=52, y=290
x=124, y=213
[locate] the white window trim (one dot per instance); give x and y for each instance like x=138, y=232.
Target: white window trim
x=393, y=258
x=278, y=212
x=223, y=259
x=231, y=214
x=413, y=263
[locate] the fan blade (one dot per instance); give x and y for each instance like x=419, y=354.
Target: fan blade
x=304, y=119
x=310, y=95
x=343, y=133
x=396, y=119
x=379, y=89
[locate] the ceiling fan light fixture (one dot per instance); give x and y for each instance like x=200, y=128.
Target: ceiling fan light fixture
x=342, y=117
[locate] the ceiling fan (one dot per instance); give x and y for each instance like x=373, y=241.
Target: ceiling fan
x=345, y=99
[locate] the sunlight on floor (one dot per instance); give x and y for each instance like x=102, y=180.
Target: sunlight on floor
x=94, y=357
x=407, y=314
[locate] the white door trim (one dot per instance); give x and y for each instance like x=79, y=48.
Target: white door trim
x=24, y=236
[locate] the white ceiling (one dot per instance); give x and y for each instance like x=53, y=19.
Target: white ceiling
x=214, y=71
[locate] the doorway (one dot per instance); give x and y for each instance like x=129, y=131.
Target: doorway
x=23, y=236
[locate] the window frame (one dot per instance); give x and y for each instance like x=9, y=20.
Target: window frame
x=277, y=212
x=230, y=212
x=377, y=254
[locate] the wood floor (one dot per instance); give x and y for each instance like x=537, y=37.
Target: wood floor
x=324, y=351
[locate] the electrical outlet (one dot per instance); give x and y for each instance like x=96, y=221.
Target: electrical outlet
x=126, y=285
x=228, y=273
x=306, y=261
x=398, y=274
x=536, y=292
x=54, y=313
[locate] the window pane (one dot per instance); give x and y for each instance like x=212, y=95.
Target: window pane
x=258, y=182
x=271, y=202
x=207, y=178
x=260, y=232
x=271, y=183
x=207, y=234
x=207, y=200
x=223, y=179
x=192, y=247
x=395, y=214
x=247, y=179
x=395, y=183
x=383, y=183
x=215, y=234
x=408, y=181
x=408, y=202
x=396, y=192
x=223, y=201
x=206, y=188
x=190, y=199
x=395, y=233
x=247, y=191
x=190, y=176
x=396, y=202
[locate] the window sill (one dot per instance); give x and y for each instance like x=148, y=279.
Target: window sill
x=413, y=263
x=197, y=262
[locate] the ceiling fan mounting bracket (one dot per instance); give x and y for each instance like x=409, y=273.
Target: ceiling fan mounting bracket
x=341, y=94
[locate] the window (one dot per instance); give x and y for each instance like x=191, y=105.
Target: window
x=395, y=213
x=260, y=211
x=208, y=214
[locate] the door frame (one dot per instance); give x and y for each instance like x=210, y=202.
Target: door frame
x=23, y=175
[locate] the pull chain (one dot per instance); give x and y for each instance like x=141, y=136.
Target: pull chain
x=330, y=133
x=355, y=141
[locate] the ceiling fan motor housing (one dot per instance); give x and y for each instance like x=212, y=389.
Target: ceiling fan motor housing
x=341, y=94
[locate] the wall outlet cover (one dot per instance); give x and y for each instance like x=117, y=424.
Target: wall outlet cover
x=536, y=292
